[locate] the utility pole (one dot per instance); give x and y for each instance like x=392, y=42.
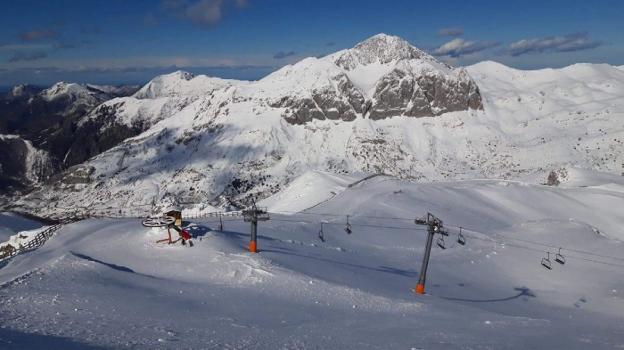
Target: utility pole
x=253, y=215
x=220, y=222
x=434, y=225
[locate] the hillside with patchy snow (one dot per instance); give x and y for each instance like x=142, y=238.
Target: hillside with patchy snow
x=380, y=107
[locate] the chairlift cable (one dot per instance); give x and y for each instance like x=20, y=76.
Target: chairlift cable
x=541, y=244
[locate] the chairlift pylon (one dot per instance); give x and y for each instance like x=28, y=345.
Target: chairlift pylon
x=546, y=261
x=321, y=235
x=460, y=237
x=348, y=227
x=560, y=258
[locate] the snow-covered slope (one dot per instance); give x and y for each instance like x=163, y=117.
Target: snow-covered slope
x=107, y=283
x=248, y=140
x=161, y=98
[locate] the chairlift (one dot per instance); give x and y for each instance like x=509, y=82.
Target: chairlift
x=546, y=261
x=320, y=234
x=348, y=227
x=560, y=258
x=440, y=242
x=460, y=237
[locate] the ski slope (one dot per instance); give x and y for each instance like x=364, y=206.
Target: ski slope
x=106, y=284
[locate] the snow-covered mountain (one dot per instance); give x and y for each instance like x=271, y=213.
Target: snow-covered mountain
x=383, y=106
x=79, y=96
x=39, y=124
x=22, y=91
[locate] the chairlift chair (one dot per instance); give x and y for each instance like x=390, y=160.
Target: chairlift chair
x=460, y=237
x=560, y=258
x=348, y=227
x=440, y=242
x=320, y=234
x=546, y=261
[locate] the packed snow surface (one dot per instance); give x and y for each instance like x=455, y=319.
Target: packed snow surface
x=107, y=284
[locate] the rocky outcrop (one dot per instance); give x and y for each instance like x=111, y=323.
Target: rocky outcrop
x=21, y=164
x=337, y=101
x=401, y=93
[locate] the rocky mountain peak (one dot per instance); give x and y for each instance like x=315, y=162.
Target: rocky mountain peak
x=380, y=48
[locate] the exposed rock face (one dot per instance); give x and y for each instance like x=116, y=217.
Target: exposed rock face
x=401, y=92
x=339, y=100
x=22, y=165
x=12, y=153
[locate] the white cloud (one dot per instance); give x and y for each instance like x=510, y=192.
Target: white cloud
x=207, y=13
x=451, y=31
x=565, y=43
x=460, y=47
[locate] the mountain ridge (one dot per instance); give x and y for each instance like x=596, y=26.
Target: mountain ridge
x=247, y=140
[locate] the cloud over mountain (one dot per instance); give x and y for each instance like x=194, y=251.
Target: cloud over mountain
x=460, y=47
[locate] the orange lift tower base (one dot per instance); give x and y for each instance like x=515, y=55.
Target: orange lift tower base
x=253, y=215
x=434, y=225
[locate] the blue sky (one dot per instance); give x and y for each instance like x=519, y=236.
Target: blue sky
x=120, y=41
